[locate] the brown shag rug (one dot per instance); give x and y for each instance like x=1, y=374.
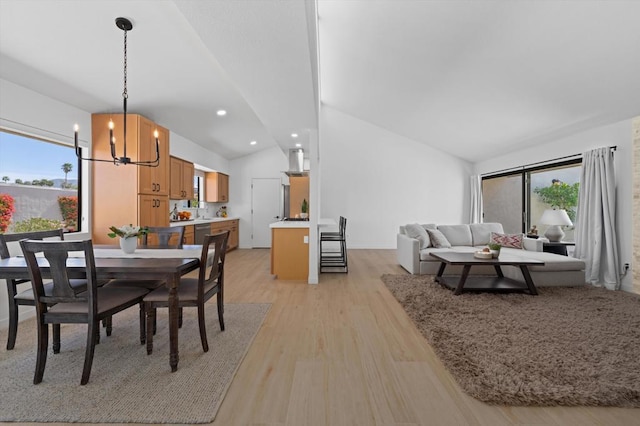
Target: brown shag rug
x=566, y=346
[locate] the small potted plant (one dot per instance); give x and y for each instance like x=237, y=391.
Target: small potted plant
x=304, y=209
x=129, y=235
x=495, y=249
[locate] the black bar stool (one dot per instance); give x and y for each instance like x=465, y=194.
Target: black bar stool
x=336, y=261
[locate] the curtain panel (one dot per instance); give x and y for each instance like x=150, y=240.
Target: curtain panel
x=475, y=213
x=595, y=235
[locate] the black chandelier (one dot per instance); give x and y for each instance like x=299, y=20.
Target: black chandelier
x=125, y=25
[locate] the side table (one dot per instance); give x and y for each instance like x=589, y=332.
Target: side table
x=557, y=247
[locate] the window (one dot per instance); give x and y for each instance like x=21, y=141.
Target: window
x=40, y=185
x=517, y=199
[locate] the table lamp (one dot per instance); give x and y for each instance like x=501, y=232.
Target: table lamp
x=555, y=219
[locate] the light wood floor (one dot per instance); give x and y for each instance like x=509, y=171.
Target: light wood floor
x=345, y=353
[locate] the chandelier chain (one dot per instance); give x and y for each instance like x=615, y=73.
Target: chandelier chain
x=125, y=94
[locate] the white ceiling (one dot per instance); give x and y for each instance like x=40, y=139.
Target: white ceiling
x=472, y=78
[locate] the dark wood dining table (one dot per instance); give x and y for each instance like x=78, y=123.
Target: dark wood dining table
x=161, y=268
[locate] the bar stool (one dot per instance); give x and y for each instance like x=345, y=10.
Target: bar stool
x=335, y=259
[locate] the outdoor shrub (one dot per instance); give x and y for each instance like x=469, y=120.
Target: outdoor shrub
x=6, y=211
x=560, y=195
x=37, y=224
x=69, y=210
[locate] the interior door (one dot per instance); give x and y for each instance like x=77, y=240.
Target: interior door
x=265, y=208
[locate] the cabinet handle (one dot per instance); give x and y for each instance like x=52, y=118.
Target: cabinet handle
x=158, y=187
x=153, y=187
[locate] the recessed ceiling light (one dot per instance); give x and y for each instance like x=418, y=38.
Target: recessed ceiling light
x=221, y=112
x=298, y=145
x=294, y=135
x=253, y=143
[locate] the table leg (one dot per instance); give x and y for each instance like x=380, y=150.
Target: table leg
x=441, y=270
x=498, y=270
x=528, y=280
x=173, y=323
x=463, y=278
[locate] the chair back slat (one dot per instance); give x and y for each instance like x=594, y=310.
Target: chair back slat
x=164, y=234
x=57, y=253
x=212, y=264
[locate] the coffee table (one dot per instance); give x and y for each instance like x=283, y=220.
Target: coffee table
x=459, y=283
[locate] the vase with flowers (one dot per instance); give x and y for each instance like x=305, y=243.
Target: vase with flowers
x=129, y=235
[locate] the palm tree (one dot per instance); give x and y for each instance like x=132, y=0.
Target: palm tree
x=5, y=179
x=66, y=168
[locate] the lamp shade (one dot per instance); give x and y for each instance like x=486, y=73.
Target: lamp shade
x=555, y=217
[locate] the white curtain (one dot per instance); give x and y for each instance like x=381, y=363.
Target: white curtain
x=595, y=234
x=475, y=213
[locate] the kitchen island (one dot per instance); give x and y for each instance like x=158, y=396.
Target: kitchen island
x=290, y=248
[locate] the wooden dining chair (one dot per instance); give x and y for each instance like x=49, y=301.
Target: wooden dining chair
x=165, y=235
x=194, y=292
x=65, y=304
x=25, y=297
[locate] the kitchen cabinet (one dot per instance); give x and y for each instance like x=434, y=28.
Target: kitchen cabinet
x=216, y=187
x=181, y=186
x=128, y=194
x=189, y=235
x=228, y=225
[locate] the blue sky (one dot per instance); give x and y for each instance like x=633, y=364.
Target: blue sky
x=29, y=159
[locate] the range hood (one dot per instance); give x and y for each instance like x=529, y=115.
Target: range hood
x=296, y=163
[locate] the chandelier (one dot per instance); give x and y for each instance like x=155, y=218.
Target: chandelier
x=125, y=25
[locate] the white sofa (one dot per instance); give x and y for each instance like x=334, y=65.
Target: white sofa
x=558, y=270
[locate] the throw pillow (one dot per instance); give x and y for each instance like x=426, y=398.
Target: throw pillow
x=507, y=240
x=416, y=231
x=438, y=239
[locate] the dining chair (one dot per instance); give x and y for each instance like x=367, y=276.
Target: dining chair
x=66, y=305
x=25, y=297
x=164, y=235
x=194, y=292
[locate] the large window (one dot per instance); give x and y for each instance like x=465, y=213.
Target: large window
x=517, y=199
x=40, y=185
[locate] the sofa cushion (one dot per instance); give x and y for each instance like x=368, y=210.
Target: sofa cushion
x=418, y=232
x=425, y=254
x=552, y=261
x=481, y=232
x=507, y=240
x=438, y=239
x=457, y=235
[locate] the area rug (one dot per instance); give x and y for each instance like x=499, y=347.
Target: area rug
x=566, y=346
x=126, y=384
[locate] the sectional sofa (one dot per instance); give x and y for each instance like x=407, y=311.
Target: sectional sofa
x=413, y=252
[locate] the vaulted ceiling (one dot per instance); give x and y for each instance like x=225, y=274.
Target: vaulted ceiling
x=472, y=78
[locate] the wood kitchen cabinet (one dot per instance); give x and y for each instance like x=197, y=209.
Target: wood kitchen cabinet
x=128, y=194
x=181, y=187
x=228, y=225
x=216, y=187
x=189, y=235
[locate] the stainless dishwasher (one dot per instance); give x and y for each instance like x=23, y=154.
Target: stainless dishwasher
x=200, y=231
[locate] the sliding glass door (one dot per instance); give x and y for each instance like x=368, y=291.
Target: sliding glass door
x=517, y=199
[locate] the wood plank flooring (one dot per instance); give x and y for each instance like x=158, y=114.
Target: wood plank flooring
x=344, y=352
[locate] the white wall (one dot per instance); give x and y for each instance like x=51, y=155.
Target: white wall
x=268, y=163
x=379, y=180
x=189, y=151
x=617, y=134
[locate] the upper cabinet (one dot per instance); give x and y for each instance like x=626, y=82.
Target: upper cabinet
x=152, y=180
x=216, y=187
x=181, y=179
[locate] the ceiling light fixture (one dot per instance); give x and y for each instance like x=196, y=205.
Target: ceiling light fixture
x=221, y=112
x=253, y=143
x=298, y=145
x=294, y=135
x=125, y=25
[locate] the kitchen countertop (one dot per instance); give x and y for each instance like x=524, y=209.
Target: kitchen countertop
x=301, y=223
x=201, y=220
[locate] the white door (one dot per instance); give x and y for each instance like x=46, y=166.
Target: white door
x=265, y=209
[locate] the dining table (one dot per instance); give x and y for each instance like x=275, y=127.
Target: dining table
x=146, y=263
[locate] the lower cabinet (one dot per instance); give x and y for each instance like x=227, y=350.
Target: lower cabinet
x=232, y=227
x=189, y=235
x=153, y=211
